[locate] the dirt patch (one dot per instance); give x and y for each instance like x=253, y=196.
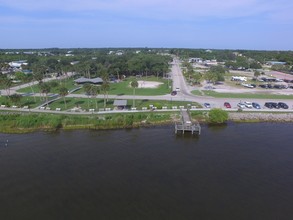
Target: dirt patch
x=148, y=84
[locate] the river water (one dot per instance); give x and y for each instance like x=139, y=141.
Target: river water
x=238, y=171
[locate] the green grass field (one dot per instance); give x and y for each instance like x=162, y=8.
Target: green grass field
x=121, y=88
x=197, y=92
x=90, y=103
x=124, y=88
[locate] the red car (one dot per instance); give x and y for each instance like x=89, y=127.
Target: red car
x=227, y=105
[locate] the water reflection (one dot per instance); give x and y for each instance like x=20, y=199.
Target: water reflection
x=237, y=171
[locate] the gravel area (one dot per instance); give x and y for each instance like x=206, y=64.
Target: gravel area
x=277, y=117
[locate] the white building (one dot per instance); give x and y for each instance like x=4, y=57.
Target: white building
x=17, y=64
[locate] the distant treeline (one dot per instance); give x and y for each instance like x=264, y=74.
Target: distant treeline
x=91, y=62
x=116, y=62
x=230, y=55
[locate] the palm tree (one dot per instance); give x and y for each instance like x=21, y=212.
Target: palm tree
x=87, y=88
x=134, y=84
x=117, y=70
x=63, y=91
x=6, y=83
x=105, y=87
x=94, y=92
x=45, y=88
x=15, y=98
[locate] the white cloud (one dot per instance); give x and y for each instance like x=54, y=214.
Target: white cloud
x=162, y=9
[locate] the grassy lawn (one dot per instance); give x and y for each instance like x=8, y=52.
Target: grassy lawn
x=197, y=92
x=124, y=88
x=68, y=83
x=89, y=103
x=121, y=88
x=246, y=95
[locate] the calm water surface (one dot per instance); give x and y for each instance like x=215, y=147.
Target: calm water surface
x=241, y=171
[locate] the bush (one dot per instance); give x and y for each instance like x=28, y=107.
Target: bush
x=158, y=105
x=218, y=116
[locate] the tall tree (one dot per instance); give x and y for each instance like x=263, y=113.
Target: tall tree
x=87, y=88
x=134, y=84
x=94, y=92
x=105, y=87
x=45, y=89
x=6, y=83
x=63, y=91
x=15, y=99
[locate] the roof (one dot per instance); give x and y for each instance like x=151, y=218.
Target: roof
x=86, y=80
x=276, y=63
x=120, y=102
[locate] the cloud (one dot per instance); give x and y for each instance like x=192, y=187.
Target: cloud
x=156, y=8
x=193, y=11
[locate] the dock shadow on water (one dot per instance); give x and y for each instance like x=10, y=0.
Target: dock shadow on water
x=187, y=135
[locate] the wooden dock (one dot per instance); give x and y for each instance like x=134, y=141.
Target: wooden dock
x=186, y=123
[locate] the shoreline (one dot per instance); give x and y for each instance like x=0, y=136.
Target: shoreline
x=260, y=117
x=52, y=123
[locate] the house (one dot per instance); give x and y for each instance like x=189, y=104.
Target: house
x=275, y=63
x=18, y=64
x=195, y=60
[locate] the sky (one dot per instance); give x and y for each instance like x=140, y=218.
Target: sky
x=209, y=24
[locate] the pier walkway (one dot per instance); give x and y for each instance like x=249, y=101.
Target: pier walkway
x=186, y=123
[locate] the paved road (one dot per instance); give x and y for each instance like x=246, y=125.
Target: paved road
x=183, y=95
x=185, y=92
x=178, y=79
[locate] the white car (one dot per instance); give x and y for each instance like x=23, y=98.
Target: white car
x=241, y=105
x=248, y=104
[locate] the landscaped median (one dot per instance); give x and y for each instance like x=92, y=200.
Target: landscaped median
x=240, y=95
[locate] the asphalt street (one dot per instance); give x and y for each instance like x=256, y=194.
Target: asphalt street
x=183, y=95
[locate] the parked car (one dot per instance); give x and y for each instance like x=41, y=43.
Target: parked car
x=177, y=89
x=283, y=105
x=248, y=104
x=227, y=105
x=207, y=105
x=241, y=105
x=264, y=86
x=272, y=105
x=255, y=105
x=269, y=105
x=275, y=105
x=173, y=93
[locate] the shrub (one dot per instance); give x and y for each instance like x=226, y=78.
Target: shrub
x=158, y=105
x=218, y=116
